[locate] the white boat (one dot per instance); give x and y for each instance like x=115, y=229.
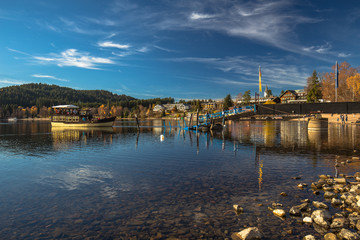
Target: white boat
x=70, y=116
x=14, y=119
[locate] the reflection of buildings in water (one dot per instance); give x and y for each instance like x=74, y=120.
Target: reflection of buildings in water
x=293, y=134
x=241, y=131
x=259, y=164
x=64, y=137
x=158, y=126
x=269, y=133
x=344, y=136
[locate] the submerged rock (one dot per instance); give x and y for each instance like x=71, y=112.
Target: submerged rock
x=284, y=194
x=296, y=210
x=251, y=233
x=238, y=210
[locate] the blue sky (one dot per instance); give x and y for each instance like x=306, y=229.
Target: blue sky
x=181, y=49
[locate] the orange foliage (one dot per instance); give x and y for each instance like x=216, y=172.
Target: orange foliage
x=328, y=83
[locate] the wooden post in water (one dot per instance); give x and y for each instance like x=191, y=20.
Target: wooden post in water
x=190, y=120
x=137, y=122
x=197, y=118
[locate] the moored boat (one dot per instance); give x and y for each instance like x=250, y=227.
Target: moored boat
x=70, y=116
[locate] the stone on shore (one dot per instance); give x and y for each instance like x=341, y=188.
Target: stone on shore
x=348, y=235
x=330, y=236
x=309, y=237
x=340, y=180
x=321, y=217
x=307, y=220
x=329, y=195
x=251, y=233
x=338, y=222
x=335, y=201
x=279, y=212
x=320, y=205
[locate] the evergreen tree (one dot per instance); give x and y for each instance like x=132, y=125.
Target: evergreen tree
x=313, y=88
x=246, y=97
x=228, y=102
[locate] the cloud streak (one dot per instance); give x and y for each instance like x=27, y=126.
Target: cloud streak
x=246, y=70
x=11, y=81
x=109, y=44
x=74, y=58
x=49, y=77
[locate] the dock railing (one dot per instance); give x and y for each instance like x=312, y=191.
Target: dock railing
x=223, y=114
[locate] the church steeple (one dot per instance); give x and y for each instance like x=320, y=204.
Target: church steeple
x=266, y=92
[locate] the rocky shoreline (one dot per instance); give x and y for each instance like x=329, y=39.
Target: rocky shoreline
x=337, y=217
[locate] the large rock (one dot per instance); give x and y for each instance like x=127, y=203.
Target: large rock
x=321, y=217
x=251, y=233
x=338, y=222
x=340, y=180
x=296, y=210
x=348, y=235
x=320, y=205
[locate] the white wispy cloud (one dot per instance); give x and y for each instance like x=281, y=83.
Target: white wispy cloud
x=50, y=77
x=272, y=22
x=73, y=58
x=322, y=49
x=197, y=16
x=143, y=49
x=344, y=55
x=164, y=49
x=17, y=51
x=113, y=45
x=274, y=72
x=11, y=81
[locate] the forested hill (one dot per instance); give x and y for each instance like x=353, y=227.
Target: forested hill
x=38, y=94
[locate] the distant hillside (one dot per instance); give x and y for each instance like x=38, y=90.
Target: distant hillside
x=39, y=94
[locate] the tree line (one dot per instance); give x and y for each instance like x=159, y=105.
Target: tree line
x=36, y=99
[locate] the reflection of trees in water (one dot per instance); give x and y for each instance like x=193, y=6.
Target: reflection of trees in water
x=27, y=137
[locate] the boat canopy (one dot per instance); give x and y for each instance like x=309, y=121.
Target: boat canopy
x=65, y=106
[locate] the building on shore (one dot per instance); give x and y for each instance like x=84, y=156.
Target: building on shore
x=171, y=106
x=293, y=96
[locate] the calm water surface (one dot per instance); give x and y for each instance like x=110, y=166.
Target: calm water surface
x=119, y=184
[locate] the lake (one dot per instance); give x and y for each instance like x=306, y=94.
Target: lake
x=118, y=183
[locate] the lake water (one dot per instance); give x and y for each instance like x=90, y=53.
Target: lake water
x=116, y=183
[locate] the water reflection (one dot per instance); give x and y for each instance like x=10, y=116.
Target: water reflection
x=125, y=183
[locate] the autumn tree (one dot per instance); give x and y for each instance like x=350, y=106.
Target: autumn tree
x=313, y=88
x=328, y=83
x=353, y=83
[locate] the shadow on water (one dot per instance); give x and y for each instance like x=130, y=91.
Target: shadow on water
x=161, y=181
